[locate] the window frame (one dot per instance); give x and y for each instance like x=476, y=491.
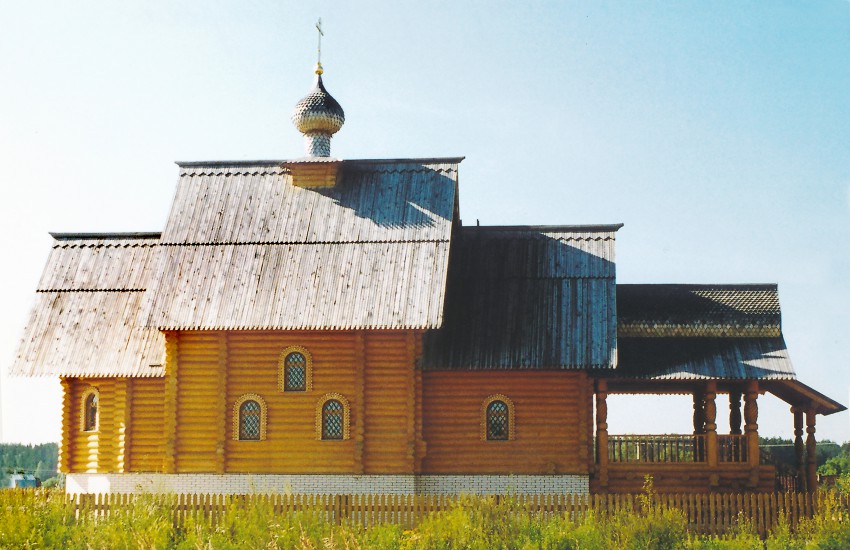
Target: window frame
x=320, y=416
x=308, y=369
x=485, y=418
x=237, y=416
x=87, y=394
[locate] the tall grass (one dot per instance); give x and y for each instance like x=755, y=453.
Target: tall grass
x=44, y=519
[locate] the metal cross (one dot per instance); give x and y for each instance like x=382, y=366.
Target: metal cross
x=321, y=34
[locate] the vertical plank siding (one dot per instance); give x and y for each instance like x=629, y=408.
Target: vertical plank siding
x=548, y=422
x=706, y=514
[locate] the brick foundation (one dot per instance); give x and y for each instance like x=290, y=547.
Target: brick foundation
x=325, y=484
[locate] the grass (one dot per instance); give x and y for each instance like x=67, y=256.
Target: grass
x=44, y=519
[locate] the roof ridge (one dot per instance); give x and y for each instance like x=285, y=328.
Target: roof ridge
x=292, y=243
x=585, y=228
x=91, y=290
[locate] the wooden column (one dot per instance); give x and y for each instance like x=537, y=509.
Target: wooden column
x=710, y=423
x=69, y=425
x=699, y=412
x=169, y=464
x=811, y=452
x=222, y=410
x=799, y=447
x=359, y=405
x=602, y=431
x=751, y=429
x=121, y=423
x=735, y=413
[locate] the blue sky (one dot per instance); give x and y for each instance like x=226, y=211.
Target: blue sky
x=717, y=132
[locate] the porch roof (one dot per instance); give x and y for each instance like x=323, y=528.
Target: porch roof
x=704, y=359
x=683, y=365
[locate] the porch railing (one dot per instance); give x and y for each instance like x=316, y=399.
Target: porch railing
x=674, y=448
x=656, y=448
x=732, y=448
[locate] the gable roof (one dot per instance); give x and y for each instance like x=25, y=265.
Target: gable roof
x=698, y=310
x=84, y=320
x=528, y=298
x=245, y=249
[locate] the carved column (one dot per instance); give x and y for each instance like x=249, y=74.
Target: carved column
x=811, y=452
x=710, y=423
x=751, y=427
x=602, y=431
x=735, y=413
x=699, y=412
x=799, y=447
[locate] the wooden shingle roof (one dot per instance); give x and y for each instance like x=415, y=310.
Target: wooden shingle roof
x=528, y=298
x=671, y=310
x=245, y=249
x=84, y=320
x=705, y=359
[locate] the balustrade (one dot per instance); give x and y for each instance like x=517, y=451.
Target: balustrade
x=675, y=448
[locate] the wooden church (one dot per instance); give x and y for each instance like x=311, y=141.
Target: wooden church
x=329, y=326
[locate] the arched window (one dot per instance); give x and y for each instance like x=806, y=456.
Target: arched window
x=295, y=369
x=498, y=419
x=90, y=406
x=249, y=418
x=332, y=418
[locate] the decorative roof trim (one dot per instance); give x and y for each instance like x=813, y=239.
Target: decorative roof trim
x=104, y=236
x=659, y=330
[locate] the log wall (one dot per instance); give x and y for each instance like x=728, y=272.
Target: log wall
x=145, y=439
x=549, y=422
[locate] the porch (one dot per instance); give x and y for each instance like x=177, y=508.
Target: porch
x=705, y=460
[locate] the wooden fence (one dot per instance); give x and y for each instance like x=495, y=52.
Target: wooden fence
x=706, y=513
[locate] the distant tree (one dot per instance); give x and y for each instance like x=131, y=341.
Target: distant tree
x=15, y=457
x=781, y=453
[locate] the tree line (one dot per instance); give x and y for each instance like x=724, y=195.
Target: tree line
x=40, y=460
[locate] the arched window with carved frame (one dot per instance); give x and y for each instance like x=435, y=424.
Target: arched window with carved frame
x=90, y=410
x=249, y=418
x=333, y=421
x=295, y=370
x=497, y=419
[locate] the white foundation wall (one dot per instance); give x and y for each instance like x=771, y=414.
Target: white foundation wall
x=326, y=484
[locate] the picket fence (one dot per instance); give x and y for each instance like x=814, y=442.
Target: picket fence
x=713, y=514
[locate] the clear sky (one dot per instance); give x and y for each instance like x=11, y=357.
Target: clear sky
x=718, y=132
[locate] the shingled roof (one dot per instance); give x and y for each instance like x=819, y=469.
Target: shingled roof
x=740, y=311
x=245, y=249
x=528, y=298
x=705, y=358
x=84, y=321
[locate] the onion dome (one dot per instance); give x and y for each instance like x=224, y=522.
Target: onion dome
x=318, y=116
